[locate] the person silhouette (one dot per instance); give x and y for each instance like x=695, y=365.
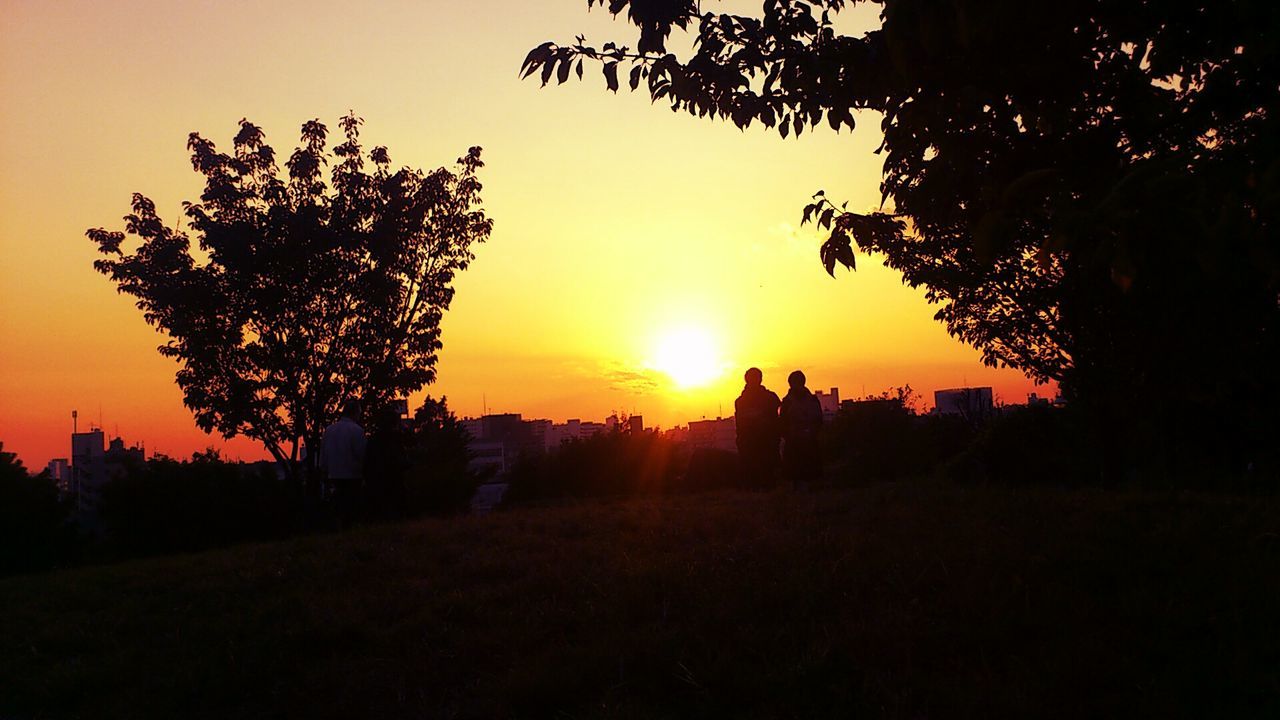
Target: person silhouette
x=342, y=462
x=801, y=420
x=756, y=421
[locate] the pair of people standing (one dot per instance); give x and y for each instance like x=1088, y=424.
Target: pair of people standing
x=763, y=420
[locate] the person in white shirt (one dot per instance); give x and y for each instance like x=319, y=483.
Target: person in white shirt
x=342, y=462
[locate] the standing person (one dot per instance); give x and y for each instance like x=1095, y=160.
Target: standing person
x=756, y=420
x=342, y=462
x=801, y=420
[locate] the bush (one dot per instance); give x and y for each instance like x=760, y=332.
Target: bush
x=1030, y=444
x=608, y=464
x=711, y=469
x=182, y=506
x=1065, y=446
x=884, y=439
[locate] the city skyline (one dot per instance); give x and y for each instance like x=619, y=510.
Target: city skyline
x=830, y=399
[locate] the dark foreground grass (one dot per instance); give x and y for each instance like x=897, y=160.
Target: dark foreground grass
x=898, y=601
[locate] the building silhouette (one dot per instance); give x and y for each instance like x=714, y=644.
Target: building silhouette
x=88, y=468
x=59, y=470
x=498, y=440
x=973, y=404
x=94, y=463
x=830, y=403
x=719, y=434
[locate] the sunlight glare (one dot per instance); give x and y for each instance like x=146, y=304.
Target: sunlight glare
x=689, y=357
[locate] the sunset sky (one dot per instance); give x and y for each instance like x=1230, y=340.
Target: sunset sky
x=625, y=236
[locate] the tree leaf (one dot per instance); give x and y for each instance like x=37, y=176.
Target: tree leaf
x=837, y=249
x=536, y=57
x=611, y=76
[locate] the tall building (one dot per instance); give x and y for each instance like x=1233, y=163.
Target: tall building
x=502, y=428
x=59, y=470
x=573, y=429
x=120, y=459
x=486, y=456
x=830, y=403
x=970, y=403
x=677, y=434
x=88, y=468
x=539, y=434
x=474, y=427
x=94, y=463
x=721, y=433
x=497, y=441
x=562, y=433
x=587, y=429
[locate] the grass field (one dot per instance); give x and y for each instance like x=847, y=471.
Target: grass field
x=911, y=600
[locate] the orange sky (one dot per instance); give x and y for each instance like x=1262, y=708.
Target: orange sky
x=617, y=223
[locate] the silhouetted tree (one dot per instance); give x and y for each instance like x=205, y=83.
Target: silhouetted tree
x=303, y=292
x=1090, y=190
x=34, y=533
x=438, y=480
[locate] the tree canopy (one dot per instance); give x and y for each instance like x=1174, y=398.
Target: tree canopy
x=300, y=292
x=1089, y=190
x=34, y=534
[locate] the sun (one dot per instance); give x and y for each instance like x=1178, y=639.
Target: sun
x=688, y=356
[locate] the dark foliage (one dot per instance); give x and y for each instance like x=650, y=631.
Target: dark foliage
x=1033, y=445
x=1090, y=190
x=34, y=529
x=608, y=464
x=1061, y=446
x=303, y=292
x=170, y=506
x=438, y=481
x=882, y=438
x=711, y=469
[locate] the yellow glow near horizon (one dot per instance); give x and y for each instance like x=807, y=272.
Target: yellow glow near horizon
x=689, y=356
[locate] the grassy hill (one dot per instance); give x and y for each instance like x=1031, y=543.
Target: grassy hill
x=889, y=601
